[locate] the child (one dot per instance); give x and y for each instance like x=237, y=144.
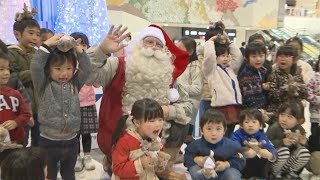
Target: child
x=252, y=78
x=129, y=159
x=89, y=121
x=14, y=111
x=289, y=138
x=257, y=147
x=27, y=32
x=285, y=81
x=57, y=81
x=45, y=34
x=222, y=80
x=228, y=160
x=313, y=91
x=24, y=164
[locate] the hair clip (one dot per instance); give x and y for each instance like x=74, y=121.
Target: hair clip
x=26, y=14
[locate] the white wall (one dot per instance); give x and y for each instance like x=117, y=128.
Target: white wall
x=302, y=25
x=135, y=24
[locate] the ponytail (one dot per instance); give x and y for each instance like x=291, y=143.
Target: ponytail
x=120, y=128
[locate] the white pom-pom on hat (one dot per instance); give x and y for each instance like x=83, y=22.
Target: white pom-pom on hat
x=173, y=95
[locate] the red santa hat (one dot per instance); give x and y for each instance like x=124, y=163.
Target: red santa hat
x=180, y=56
x=152, y=31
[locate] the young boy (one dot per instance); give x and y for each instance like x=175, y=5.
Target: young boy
x=14, y=111
x=252, y=78
x=257, y=147
x=27, y=33
x=228, y=159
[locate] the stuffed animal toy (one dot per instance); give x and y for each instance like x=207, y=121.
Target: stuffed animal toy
x=66, y=42
x=208, y=167
x=254, y=145
x=5, y=142
x=293, y=135
x=292, y=87
x=26, y=14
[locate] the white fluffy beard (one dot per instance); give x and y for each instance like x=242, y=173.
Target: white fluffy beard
x=148, y=75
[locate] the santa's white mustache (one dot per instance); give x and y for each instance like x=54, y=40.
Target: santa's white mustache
x=159, y=54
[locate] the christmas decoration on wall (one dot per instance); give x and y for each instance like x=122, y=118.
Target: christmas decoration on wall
x=226, y=5
x=86, y=16
x=8, y=10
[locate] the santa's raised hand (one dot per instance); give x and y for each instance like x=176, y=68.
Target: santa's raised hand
x=112, y=42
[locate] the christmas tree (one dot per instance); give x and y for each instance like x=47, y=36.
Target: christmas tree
x=86, y=16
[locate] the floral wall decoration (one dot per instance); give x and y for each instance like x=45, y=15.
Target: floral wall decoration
x=232, y=12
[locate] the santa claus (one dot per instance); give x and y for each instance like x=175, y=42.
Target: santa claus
x=149, y=72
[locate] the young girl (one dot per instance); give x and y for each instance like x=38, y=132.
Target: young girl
x=313, y=91
x=285, y=80
x=257, y=147
x=89, y=120
x=57, y=81
x=222, y=80
x=289, y=138
x=129, y=159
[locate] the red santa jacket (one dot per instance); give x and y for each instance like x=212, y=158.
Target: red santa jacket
x=14, y=107
x=111, y=108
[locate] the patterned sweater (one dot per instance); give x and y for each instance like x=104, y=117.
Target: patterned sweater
x=313, y=91
x=278, y=92
x=250, y=82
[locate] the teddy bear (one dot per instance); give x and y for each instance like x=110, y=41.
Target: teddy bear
x=208, y=167
x=5, y=142
x=254, y=144
x=26, y=14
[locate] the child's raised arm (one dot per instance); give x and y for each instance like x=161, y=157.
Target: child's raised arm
x=210, y=59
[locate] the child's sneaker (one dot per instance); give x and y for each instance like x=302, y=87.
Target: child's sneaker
x=79, y=164
x=88, y=163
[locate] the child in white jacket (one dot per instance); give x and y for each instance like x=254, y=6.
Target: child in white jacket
x=222, y=78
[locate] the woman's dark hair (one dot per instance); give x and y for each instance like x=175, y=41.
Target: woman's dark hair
x=24, y=164
x=212, y=115
x=296, y=39
x=3, y=47
x=295, y=108
x=144, y=109
x=254, y=48
x=214, y=30
x=251, y=113
x=256, y=36
x=45, y=30
x=82, y=36
x=221, y=49
x=190, y=45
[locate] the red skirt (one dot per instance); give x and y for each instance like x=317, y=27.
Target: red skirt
x=231, y=112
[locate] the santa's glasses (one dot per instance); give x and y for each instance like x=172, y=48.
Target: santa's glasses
x=152, y=42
